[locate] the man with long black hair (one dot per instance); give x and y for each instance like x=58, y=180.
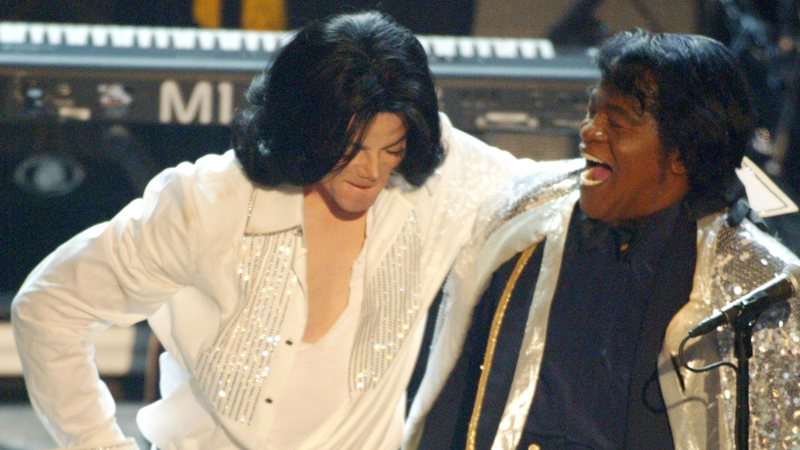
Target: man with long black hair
x=288, y=279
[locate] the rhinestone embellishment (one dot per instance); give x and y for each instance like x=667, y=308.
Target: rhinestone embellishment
x=233, y=370
x=390, y=308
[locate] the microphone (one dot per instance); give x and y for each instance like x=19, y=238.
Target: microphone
x=754, y=303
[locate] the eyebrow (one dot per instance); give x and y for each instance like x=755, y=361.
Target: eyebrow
x=634, y=119
x=617, y=109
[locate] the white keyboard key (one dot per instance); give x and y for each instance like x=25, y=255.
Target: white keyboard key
x=536, y=48
x=444, y=47
x=183, y=39
x=36, y=34
x=483, y=48
x=426, y=44
x=123, y=37
x=252, y=41
x=546, y=49
x=161, y=37
x=76, y=35
x=230, y=40
x=100, y=36
x=269, y=42
x=13, y=33
x=505, y=48
x=466, y=48
x=55, y=34
x=207, y=39
x=144, y=37
x=529, y=49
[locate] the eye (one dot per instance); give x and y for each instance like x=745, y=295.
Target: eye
x=397, y=152
x=616, y=120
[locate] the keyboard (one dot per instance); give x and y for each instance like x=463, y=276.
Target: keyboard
x=182, y=76
x=41, y=44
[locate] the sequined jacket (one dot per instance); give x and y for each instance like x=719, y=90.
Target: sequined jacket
x=210, y=260
x=730, y=262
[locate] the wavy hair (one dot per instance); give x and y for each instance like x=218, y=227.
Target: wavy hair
x=322, y=91
x=699, y=96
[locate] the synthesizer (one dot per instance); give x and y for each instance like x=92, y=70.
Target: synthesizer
x=508, y=91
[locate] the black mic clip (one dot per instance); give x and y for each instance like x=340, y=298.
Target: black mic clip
x=747, y=309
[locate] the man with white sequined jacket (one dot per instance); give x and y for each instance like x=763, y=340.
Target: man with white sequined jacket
x=288, y=279
x=561, y=321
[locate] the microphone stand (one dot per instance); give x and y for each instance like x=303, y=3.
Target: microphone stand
x=743, y=351
x=742, y=324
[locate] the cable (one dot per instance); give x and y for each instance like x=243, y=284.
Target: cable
x=704, y=368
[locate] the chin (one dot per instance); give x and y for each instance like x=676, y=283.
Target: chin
x=591, y=208
x=351, y=209
x=355, y=211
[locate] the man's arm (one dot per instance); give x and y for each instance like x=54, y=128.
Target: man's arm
x=115, y=273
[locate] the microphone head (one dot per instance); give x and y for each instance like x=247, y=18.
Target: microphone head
x=792, y=272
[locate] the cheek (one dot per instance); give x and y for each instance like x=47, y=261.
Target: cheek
x=388, y=166
x=334, y=182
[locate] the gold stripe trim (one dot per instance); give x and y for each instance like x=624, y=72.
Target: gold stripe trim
x=488, y=357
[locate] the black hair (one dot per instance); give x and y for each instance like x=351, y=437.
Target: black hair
x=698, y=95
x=322, y=91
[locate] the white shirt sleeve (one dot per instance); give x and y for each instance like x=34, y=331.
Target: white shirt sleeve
x=115, y=273
x=472, y=173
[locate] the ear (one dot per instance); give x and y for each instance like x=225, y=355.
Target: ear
x=676, y=164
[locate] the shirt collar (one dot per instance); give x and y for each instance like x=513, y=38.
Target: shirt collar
x=626, y=235
x=276, y=209
x=636, y=238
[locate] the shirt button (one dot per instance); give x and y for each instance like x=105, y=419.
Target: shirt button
x=268, y=400
x=289, y=342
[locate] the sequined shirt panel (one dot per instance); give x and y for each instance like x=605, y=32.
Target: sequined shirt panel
x=742, y=259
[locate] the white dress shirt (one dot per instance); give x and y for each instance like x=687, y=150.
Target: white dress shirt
x=217, y=267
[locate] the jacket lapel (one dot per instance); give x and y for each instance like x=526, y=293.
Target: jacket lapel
x=647, y=421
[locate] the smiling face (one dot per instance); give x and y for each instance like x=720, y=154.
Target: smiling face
x=628, y=172
x=350, y=190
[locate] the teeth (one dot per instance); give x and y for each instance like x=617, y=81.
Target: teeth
x=586, y=181
x=591, y=158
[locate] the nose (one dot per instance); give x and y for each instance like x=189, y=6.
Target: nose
x=593, y=129
x=367, y=165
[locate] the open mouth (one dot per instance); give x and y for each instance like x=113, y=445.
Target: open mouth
x=596, y=171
